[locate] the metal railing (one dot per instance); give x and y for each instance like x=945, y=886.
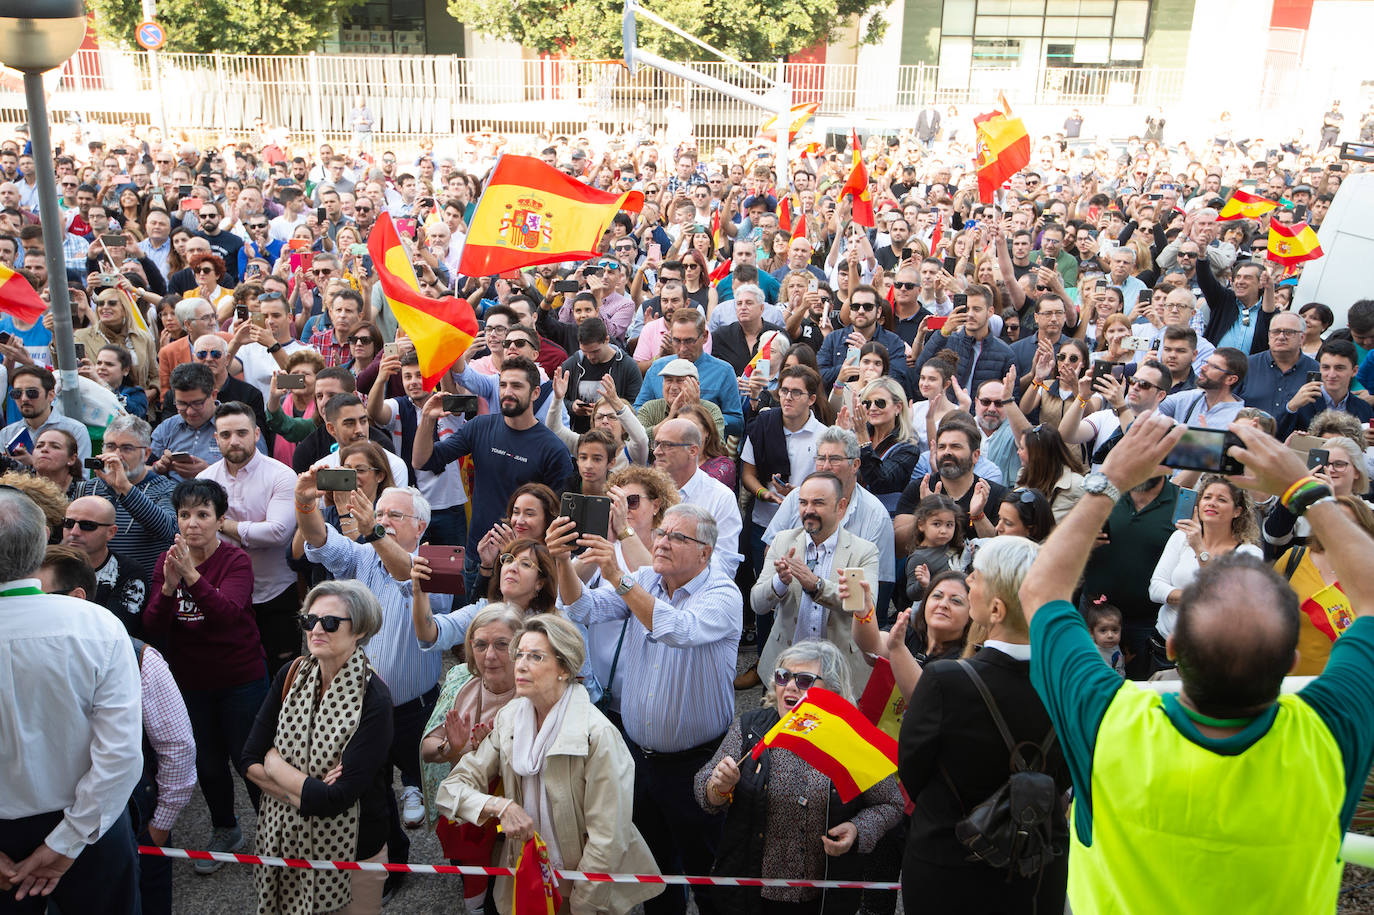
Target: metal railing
x=209, y=95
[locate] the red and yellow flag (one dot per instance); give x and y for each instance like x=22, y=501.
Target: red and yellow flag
x=533, y=214
x=441, y=329
x=1289, y=245
x=857, y=185
x=536, y=884
x=18, y=298
x=764, y=354
x=1330, y=611
x=796, y=120
x=834, y=738
x=1244, y=205
x=882, y=701
x=1002, y=148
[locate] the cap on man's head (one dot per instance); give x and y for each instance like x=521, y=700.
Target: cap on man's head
x=679, y=368
x=767, y=201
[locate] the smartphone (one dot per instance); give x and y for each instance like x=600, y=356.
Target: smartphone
x=192, y=203
x=290, y=381
x=1136, y=343
x=251, y=270
x=80, y=350
x=107, y=279
x=1303, y=444
x=935, y=323
x=763, y=368
x=307, y=260
x=814, y=285
x=93, y=464
x=852, y=356
x=565, y=286
x=297, y=244
x=391, y=349
x=321, y=216
x=1100, y=369
x=655, y=251
x=591, y=271
x=1184, y=505
x=257, y=319
x=1318, y=458
x=241, y=313
x=960, y=300
x=357, y=249
x=1205, y=449
x=285, y=182
x=1313, y=376
x=406, y=225
x=460, y=403
x=184, y=190
x=590, y=514
x=445, y=568
x=181, y=456
x=906, y=254
x=336, y=479
x=112, y=241
x=1048, y=262
x=854, y=577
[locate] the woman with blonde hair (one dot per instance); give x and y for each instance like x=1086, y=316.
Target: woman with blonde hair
x=115, y=325
x=889, y=451
x=565, y=773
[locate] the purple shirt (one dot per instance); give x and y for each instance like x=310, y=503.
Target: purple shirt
x=262, y=501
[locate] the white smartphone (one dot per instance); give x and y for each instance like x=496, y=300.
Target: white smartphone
x=854, y=603
x=1136, y=343
x=763, y=368
x=852, y=357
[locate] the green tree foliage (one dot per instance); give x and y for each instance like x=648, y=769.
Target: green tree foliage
x=230, y=26
x=746, y=29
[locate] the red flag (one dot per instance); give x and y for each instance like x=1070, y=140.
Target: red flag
x=785, y=213
x=18, y=298
x=721, y=272
x=936, y=236
x=835, y=739
x=1291, y=245
x=441, y=329
x=1002, y=148
x=857, y=186
x=536, y=885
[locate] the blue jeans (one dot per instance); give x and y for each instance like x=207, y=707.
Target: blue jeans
x=220, y=721
x=448, y=526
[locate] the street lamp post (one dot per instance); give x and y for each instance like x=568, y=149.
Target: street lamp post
x=37, y=36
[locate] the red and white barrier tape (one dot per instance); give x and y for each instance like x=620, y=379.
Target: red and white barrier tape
x=479, y=870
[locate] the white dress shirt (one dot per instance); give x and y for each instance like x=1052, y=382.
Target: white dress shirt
x=801, y=457
x=716, y=497
x=71, y=727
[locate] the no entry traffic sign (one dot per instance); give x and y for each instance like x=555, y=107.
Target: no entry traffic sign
x=150, y=35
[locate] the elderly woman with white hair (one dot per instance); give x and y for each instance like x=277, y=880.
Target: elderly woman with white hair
x=319, y=752
x=1347, y=474
x=965, y=722
x=565, y=773
x=806, y=831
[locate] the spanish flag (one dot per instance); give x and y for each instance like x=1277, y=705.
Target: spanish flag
x=441, y=329
x=882, y=702
x=793, y=227
x=1330, y=611
x=1002, y=147
x=1244, y=205
x=834, y=738
x=764, y=354
x=18, y=298
x=536, y=883
x=1289, y=245
x=857, y=185
x=796, y=121
x=530, y=214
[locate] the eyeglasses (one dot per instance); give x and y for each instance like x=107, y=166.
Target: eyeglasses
x=684, y=341
x=863, y=306
x=803, y=680
x=25, y=393
x=989, y=402
x=532, y=657
x=110, y=447
x=1284, y=332
x=330, y=623
x=903, y=286
x=89, y=526
x=191, y=405
x=677, y=537
x=204, y=270
x=210, y=354
x=1141, y=383
x=1338, y=465
x=394, y=515
x=632, y=500
x=795, y=392
x=880, y=402
x=660, y=443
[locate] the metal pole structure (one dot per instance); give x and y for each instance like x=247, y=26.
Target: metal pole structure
x=784, y=131
x=155, y=72
x=59, y=301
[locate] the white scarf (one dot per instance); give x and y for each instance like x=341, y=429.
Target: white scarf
x=528, y=751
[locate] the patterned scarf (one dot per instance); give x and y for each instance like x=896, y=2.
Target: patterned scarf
x=311, y=736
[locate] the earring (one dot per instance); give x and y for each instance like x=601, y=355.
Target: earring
x=562, y=678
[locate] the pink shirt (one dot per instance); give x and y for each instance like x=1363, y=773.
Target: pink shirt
x=262, y=501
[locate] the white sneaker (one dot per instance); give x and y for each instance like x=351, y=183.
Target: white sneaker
x=412, y=808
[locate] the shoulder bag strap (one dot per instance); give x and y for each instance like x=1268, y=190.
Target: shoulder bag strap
x=615, y=658
x=991, y=704
x=1295, y=556
x=291, y=676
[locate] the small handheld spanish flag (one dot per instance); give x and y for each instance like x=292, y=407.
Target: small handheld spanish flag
x=764, y=354
x=1002, y=147
x=836, y=739
x=857, y=185
x=18, y=298
x=1289, y=245
x=1244, y=205
x=536, y=883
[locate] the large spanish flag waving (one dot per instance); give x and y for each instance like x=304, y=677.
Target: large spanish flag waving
x=835, y=738
x=857, y=185
x=441, y=329
x=1244, y=205
x=533, y=214
x=18, y=298
x=1289, y=245
x=1002, y=149
x=796, y=120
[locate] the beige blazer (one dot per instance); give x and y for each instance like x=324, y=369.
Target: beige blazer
x=589, y=777
x=850, y=552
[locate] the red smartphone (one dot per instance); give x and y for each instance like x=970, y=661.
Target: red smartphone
x=307, y=260
x=192, y=203
x=297, y=244
x=446, y=568
x=295, y=262
x=934, y=323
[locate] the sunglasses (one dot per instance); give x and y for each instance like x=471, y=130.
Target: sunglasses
x=632, y=500
x=257, y=225
x=271, y=297
x=1068, y=357
x=22, y=393
x=1141, y=383
x=518, y=343
x=1024, y=496
x=879, y=402
x=863, y=306
x=210, y=354
x=205, y=270
x=803, y=680
x=903, y=286
x=362, y=339
x=85, y=525
x=988, y=402
x=330, y=623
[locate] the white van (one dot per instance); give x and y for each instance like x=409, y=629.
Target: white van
x=1345, y=274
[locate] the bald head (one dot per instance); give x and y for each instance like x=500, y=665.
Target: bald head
x=97, y=513
x=1236, y=637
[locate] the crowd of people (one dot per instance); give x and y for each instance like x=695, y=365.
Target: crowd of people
x=951, y=443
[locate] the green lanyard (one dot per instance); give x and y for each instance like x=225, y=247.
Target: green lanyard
x=1208, y=720
x=20, y=592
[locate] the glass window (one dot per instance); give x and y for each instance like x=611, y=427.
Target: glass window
x=958, y=17
x=1132, y=16
x=1027, y=8
x=1062, y=8
x=989, y=27
x=1128, y=49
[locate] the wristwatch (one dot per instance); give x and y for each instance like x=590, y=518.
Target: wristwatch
x=625, y=587
x=275, y=347
x=1097, y=483
x=378, y=532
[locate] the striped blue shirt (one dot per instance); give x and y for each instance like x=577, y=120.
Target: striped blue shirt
x=394, y=651
x=679, y=679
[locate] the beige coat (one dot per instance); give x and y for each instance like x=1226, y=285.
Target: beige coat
x=589, y=778
x=850, y=552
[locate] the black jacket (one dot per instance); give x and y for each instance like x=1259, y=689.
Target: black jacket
x=1226, y=310
x=729, y=344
